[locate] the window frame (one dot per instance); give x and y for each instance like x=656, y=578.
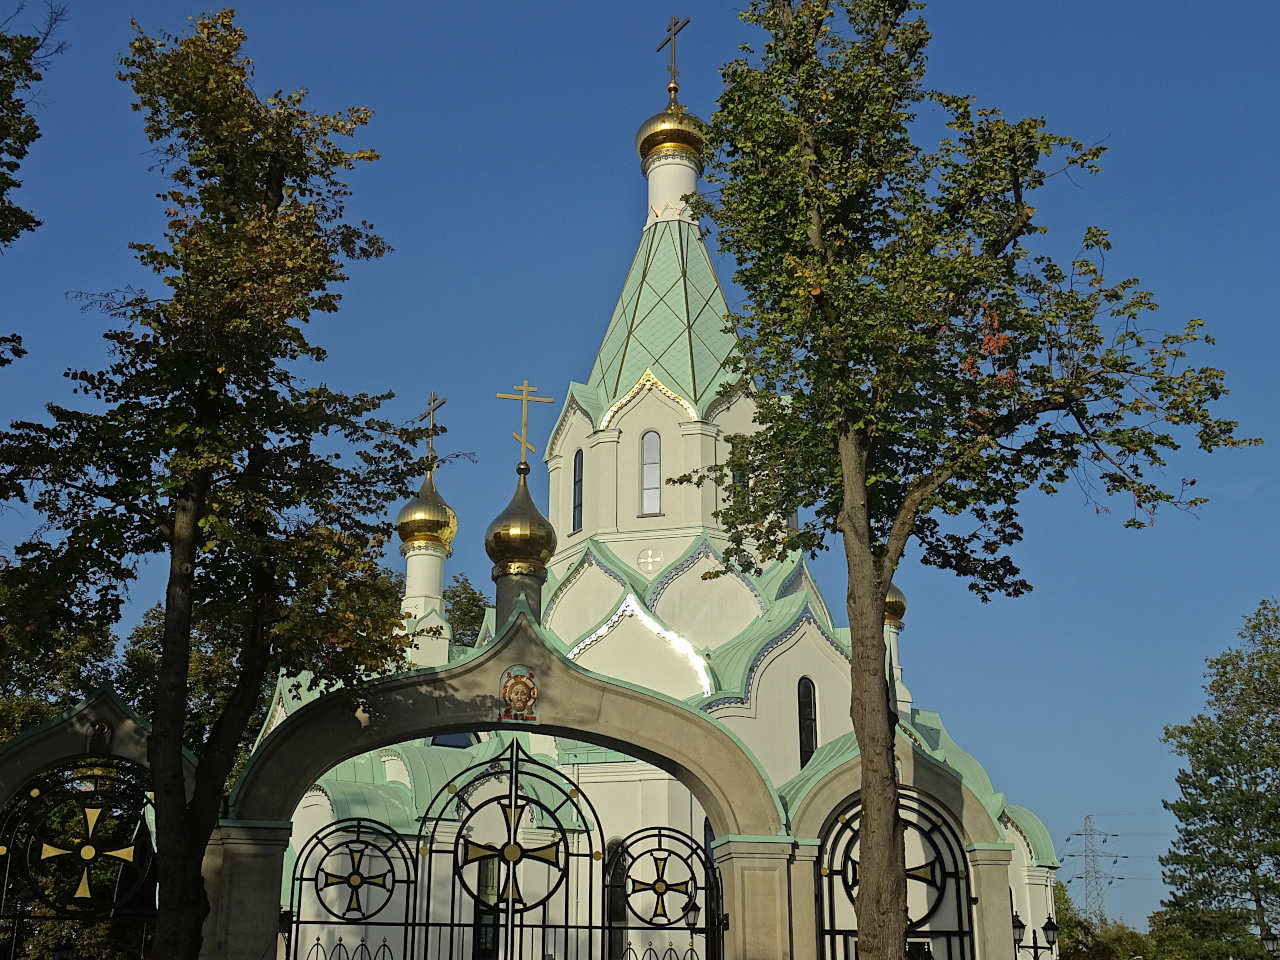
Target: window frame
x=807, y=724
x=657, y=464
x=575, y=502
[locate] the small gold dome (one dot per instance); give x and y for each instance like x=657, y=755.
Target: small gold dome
x=426, y=518
x=520, y=539
x=895, y=604
x=675, y=128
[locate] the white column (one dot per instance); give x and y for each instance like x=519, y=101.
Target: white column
x=559, y=510
x=699, y=451
x=600, y=498
x=424, y=600
x=901, y=694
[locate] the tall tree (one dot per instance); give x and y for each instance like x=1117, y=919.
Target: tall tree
x=1226, y=856
x=266, y=497
x=916, y=368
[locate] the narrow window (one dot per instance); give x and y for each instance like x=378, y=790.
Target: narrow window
x=805, y=703
x=651, y=473
x=615, y=896
x=577, y=491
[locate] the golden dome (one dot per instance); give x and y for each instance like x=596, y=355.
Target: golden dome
x=520, y=539
x=895, y=604
x=674, y=128
x=426, y=518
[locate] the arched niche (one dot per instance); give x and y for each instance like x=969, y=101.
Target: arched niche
x=699, y=752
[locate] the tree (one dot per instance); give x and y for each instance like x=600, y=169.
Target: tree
x=22, y=57
x=265, y=497
x=1080, y=938
x=916, y=368
x=1202, y=935
x=464, y=608
x=1226, y=856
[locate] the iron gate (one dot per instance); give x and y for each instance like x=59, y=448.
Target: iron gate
x=939, y=912
x=75, y=862
x=509, y=863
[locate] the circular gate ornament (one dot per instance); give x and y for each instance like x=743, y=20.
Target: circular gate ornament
x=489, y=846
x=356, y=878
x=927, y=877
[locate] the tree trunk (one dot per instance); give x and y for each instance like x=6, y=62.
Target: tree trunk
x=182, y=904
x=881, y=901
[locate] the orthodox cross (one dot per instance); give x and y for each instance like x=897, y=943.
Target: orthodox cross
x=435, y=403
x=525, y=399
x=674, y=27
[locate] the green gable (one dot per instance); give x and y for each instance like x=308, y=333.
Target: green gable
x=669, y=319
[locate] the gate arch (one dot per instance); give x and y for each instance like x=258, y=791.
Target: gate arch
x=711, y=762
x=702, y=754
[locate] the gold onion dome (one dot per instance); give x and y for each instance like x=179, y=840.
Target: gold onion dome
x=426, y=518
x=675, y=128
x=520, y=539
x=895, y=604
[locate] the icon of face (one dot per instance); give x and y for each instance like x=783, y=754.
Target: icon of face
x=519, y=697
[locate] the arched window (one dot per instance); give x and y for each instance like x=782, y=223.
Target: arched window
x=651, y=473
x=577, y=491
x=806, y=708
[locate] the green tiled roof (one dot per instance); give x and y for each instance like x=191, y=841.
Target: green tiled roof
x=669, y=319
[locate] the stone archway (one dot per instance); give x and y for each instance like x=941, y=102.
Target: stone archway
x=244, y=868
x=985, y=848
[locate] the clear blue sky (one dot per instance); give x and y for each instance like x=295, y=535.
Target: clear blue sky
x=511, y=191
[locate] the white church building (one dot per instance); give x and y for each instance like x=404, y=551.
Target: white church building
x=612, y=582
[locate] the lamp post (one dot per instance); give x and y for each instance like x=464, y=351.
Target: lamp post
x=1050, y=930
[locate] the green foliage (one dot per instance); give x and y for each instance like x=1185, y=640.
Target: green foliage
x=1225, y=861
x=201, y=443
x=894, y=302
x=1185, y=934
x=464, y=608
x=211, y=677
x=55, y=648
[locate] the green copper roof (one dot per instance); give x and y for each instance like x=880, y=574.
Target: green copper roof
x=669, y=319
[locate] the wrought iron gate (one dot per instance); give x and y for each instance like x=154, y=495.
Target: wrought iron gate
x=939, y=912
x=75, y=862
x=509, y=864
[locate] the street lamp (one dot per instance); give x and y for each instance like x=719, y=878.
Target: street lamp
x=691, y=916
x=1050, y=930
x=1271, y=942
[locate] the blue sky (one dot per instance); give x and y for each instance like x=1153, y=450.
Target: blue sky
x=511, y=192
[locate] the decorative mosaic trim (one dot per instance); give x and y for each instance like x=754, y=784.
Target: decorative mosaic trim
x=704, y=550
x=588, y=559
x=647, y=380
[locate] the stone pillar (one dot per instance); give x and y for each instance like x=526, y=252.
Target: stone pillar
x=699, y=451
x=243, y=873
x=600, y=500
x=992, y=921
x=804, y=899
x=755, y=878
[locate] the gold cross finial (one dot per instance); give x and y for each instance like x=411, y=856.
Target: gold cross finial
x=525, y=399
x=434, y=404
x=674, y=27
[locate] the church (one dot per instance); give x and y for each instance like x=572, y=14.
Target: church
x=614, y=578
x=634, y=760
